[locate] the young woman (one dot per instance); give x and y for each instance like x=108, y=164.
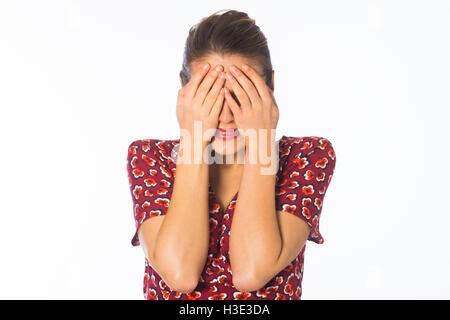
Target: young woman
x=225, y=230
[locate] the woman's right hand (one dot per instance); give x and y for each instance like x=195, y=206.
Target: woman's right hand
x=197, y=101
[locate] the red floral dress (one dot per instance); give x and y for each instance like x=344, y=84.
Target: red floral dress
x=305, y=170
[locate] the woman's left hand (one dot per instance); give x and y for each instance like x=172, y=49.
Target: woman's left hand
x=258, y=109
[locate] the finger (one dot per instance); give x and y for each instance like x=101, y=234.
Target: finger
x=206, y=84
x=239, y=92
x=247, y=85
x=237, y=111
x=217, y=108
x=194, y=82
x=258, y=82
x=214, y=92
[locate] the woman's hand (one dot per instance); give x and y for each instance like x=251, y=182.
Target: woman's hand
x=201, y=100
x=258, y=108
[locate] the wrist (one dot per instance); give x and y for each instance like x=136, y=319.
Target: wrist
x=191, y=151
x=260, y=149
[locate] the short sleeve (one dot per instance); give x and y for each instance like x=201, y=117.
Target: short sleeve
x=150, y=182
x=304, y=180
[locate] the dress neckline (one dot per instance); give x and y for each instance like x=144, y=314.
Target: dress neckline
x=211, y=191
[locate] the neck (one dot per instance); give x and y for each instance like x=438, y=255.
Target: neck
x=216, y=169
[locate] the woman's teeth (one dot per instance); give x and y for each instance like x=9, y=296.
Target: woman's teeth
x=228, y=133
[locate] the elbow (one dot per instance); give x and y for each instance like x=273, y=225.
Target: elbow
x=176, y=280
x=247, y=282
x=182, y=283
x=179, y=281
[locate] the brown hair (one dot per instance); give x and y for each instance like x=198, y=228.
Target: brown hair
x=231, y=33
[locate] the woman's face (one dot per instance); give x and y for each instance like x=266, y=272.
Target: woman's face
x=226, y=119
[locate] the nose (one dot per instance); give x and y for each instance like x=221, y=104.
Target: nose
x=226, y=115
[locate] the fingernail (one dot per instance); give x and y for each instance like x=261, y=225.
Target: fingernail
x=206, y=66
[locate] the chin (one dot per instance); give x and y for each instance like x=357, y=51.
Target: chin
x=226, y=147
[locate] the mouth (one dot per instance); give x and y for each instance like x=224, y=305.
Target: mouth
x=226, y=134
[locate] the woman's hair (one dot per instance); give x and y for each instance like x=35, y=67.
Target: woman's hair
x=231, y=33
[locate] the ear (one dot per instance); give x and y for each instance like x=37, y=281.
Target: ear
x=181, y=80
x=272, y=86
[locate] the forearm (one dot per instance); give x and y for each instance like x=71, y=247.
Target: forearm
x=181, y=246
x=255, y=239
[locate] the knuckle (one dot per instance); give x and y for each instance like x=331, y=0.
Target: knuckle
x=213, y=74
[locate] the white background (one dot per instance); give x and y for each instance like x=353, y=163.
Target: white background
x=81, y=80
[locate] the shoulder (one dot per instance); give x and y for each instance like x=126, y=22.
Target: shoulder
x=303, y=150
x=305, y=143
x=154, y=146
x=158, y=150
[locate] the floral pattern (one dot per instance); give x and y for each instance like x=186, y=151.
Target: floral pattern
x=305, y=171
